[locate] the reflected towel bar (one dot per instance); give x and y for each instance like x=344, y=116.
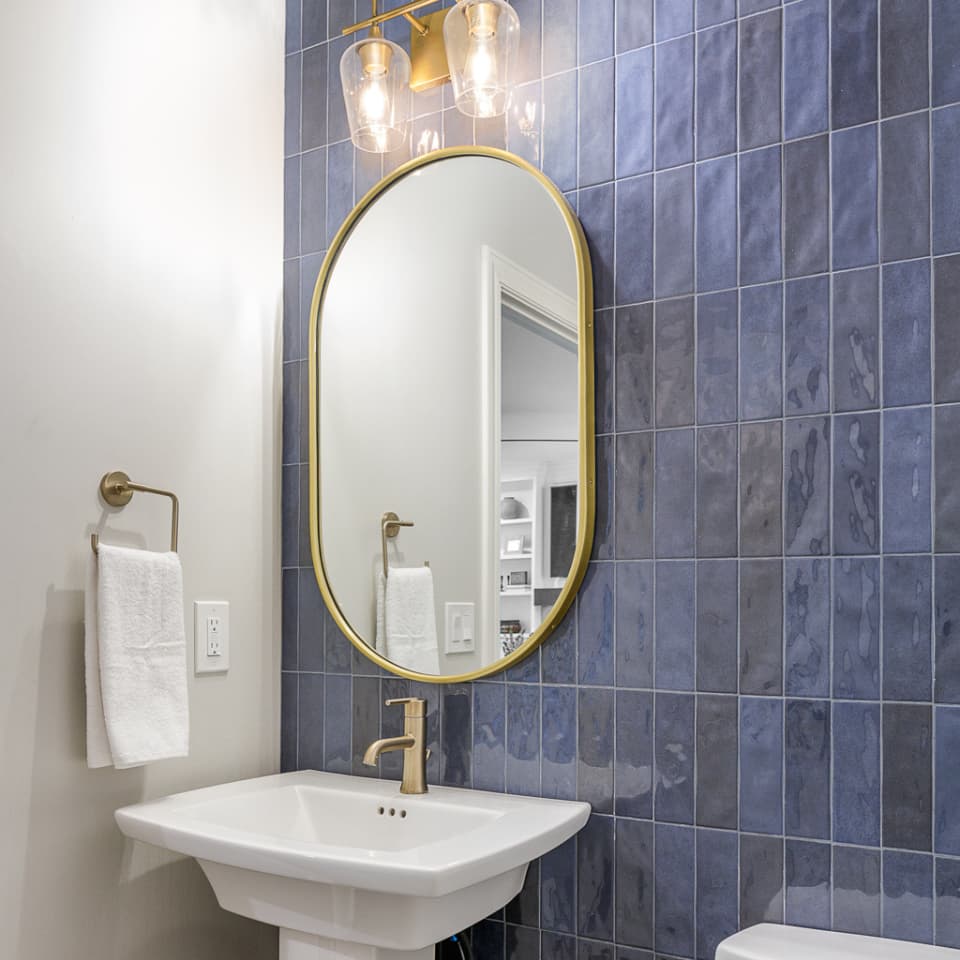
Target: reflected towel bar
x=117, y=490
x=390, y=525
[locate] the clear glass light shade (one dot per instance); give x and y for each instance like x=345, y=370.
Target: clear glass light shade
x=375, y=75
x=482, y=38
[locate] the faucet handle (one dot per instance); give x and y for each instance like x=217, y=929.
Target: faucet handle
x=413, y=706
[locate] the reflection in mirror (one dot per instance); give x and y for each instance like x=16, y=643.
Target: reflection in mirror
x=452, y=416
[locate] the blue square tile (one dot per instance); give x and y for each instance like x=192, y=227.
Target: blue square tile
x=558, y=770
x=856, y=630
x=806, y=64
x=717, y=357
x=761, y=880
x=717, y=492
x=945, y=32
x=717, y=670
x=673, y=18
x=293, y=24
x=906, y=333
x=558, y=888
x=559, y=650
x=634, y=366
x=907, y=775
x=634, y=754
x=853, y=52
x=946, y=493
x=674, y=890
x=908, y=896
x=560, y=129
x=674, y=83
x=761, y=348
x=489, y=729
x=676, y=595
x=673, y=233
x=595, y=743
x=315, y=74
x=716, y=91
x=290, y=515
x=906, y=479
x=290, y=413
x=854, y=190
x=523, y=739
x=760, y=72
x=760, y=216
x=289, y=721
x=596, y=208
x=761, y=627
x=524, y=123
x=634, y=111
x=717, y=765
x=311, y=617
x=596, y=27
x=595, y=873
x=947, y=816
x=634, y=633
x=634, y=24
x=856, y=890
x=807, y=627
x=560, y=37
x=603, y=359
x=674, y=323
x=596, y=146
x=717, y=889
x=905, y=187
x=340, y=160
x=948, y=903
x=634, y=236
x=291, y=106
x=288, y=624
x=291, y=310
x=806, y=346
x=313, y=204
x=337, y=715
x=806, y=206
x=291, y=207
x=604, y=544
x=807, y=875
x=634, y=883
x=807, y=783
x=595, y=625
x=907, y=628
x=710, y=12
x=904, y=57
x=528, y=58
x=674, y=495
x=456, y=729
x=634, y=499
x=856, y=481
x=856, y=335
x=674, y=747
x=761, y=765
x=717, y=224
x=856, y=753
x=946, y=180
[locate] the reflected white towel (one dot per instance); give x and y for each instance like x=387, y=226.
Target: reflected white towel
x=135, y=630
x=406, y=619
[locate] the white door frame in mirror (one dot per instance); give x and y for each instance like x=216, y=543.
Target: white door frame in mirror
x=543, y=304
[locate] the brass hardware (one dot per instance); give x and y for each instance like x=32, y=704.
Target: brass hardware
x=428, y=54
x=418, y=25
x=117, y=490
x=482, y=20
x=377, y=18
x=412, y=743
x=375, y=55
x=390, y=525
x=586, y=505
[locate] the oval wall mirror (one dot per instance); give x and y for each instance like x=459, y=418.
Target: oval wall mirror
x=451, y=416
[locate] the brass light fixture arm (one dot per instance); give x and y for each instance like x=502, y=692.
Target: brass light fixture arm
x=117, y=490
x=406, y=11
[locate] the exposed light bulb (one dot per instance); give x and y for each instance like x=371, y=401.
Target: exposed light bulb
x=373, y=101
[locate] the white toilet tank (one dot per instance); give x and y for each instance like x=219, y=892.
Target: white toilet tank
x=772, y=942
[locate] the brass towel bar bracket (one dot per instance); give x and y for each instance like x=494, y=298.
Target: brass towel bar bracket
x=390, y=525
x=117, y=490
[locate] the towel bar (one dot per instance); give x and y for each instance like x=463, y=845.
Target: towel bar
x=117, y=490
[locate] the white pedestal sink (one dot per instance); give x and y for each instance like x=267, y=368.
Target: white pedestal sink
x=351, y=869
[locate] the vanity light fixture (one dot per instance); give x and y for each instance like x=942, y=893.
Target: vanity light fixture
x=473, y=43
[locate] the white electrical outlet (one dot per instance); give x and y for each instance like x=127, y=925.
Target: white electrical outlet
x=211, y=636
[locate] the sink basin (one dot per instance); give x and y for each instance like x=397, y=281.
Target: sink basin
x=348, y=867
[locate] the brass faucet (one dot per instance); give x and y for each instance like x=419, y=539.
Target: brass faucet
x=412, y=743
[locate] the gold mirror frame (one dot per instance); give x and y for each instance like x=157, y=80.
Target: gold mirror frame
x=586, y=509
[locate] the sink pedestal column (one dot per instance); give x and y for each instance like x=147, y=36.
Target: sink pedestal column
x=305, y=946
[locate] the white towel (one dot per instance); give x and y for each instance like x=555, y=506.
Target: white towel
x=136, y=648
x=406, y=619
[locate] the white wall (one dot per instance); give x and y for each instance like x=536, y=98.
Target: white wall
x=140, y=252
x=400, y=377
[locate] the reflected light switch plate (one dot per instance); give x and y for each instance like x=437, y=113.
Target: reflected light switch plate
x=458, y=635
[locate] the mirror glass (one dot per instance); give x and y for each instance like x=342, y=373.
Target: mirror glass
x=453, y=457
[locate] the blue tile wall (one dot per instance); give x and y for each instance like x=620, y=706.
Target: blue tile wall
x=758, y=689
